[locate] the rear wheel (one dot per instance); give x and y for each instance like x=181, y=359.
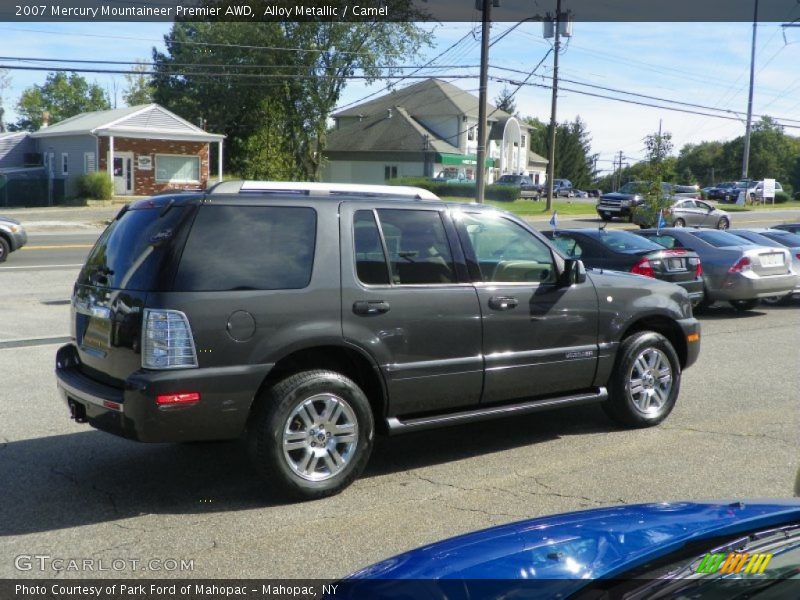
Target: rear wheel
x=679, y=223
x=645, y=382
x=723, y=223
x=742, y=305
x=311, y=435
x=5, y=249
x=775, y=300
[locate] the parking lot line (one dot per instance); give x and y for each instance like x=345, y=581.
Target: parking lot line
x=56, y=247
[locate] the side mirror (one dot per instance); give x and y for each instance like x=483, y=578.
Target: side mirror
x=574, y=272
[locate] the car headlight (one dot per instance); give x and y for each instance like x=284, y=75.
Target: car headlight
x=15, y=228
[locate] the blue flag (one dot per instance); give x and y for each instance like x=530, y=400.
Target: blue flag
x=554, y=220
x=661, y=221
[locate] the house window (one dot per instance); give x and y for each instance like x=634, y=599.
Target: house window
x=64, y=163
x=177, y=169
x=471, y=134
x=89, y=165
x=523, y=139
x=390, y=172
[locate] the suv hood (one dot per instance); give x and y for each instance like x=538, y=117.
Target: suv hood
x=618, y=196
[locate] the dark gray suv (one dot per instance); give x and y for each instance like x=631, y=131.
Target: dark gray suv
x=309, y=316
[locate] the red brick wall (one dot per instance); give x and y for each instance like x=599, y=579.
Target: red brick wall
x=144, y=182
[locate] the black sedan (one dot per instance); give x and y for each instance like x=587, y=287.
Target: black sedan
x=624, y=251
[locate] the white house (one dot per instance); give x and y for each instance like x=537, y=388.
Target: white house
x=424, y=130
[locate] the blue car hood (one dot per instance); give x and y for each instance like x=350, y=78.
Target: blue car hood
x=584, y=545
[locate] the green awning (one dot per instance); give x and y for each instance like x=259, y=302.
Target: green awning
x=461, y=160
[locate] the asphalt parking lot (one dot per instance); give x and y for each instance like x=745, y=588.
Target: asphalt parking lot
x=71, y=492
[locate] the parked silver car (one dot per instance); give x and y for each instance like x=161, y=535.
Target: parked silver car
x=776, y=238
x=691, y=212
x=734, y=269
x=12, y=237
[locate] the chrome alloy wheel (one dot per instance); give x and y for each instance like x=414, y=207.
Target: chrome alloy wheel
x=320, y=437
x=650, y=381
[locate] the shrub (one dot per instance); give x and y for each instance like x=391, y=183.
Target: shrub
x=96, y=186
x=781, y=197
x=503, y=193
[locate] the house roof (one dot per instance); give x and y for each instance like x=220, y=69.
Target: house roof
x=534, y=158
x=399, y=132
x=431, y=97
x=143, y=121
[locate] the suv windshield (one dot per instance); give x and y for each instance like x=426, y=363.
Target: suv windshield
x=134, y=252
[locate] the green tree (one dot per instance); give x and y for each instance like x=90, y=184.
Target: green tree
x=573, y=160
x=275, y=83
x=62, y=95
x=138, y=89
x=658, y=169
x=505, y=101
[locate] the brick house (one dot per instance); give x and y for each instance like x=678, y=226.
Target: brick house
x=145, y=149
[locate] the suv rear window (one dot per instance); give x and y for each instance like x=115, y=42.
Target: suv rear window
x=248, y=248
x=136, y=251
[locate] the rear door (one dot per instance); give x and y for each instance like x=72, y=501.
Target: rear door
x=407, y=302
x=539, y=338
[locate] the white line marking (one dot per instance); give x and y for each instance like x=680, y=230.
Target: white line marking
x=41, y=267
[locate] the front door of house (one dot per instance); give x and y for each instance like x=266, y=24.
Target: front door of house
x=123, y=173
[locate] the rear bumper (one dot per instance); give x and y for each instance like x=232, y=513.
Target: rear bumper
x=694, y=289
x=748, y=287
x=226, y=396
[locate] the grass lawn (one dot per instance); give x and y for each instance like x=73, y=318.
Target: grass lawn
x=530, y=208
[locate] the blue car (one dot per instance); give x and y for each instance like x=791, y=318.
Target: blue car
x=684, y=549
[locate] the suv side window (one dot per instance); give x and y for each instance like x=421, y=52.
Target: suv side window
x=248, y=248
x=419, y=252
x=371, y=266
x=506, y=252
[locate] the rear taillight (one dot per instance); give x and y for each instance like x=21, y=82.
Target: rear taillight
x=798, y=255
x=167, y=341
x=698, y=267
x=643, y=267
x=743, y=264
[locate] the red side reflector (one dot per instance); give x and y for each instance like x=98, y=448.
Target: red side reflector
x=112, y=405
x=172, y=399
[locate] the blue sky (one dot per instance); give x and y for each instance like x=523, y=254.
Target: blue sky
x=700, y=63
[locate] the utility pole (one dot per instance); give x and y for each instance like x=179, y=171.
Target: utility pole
x=746, y=154
x=552, y=150
x=480, y=180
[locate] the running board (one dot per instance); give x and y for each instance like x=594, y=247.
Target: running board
x=396, y=425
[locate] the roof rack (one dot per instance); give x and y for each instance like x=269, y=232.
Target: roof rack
x=307, y=188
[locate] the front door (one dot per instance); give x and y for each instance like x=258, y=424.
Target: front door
x=123, y=173
x=406, y=301
x=539, y=337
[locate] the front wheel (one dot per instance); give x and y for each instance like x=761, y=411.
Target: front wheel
x=605, y=216
x=776, y=300
x=5, y=249
x=723, y=223
x=311, y=434
x=645, y=382
x=742, y=305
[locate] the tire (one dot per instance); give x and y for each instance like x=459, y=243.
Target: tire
x=292, y=441
x=648, y=402
x=605, y=217
x=679, y=223
x=5, y=249
x=776, y=300
x=723, y=223
x=742, y=305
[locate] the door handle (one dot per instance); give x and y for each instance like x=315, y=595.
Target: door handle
x=503, y=302
x=370, y=307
